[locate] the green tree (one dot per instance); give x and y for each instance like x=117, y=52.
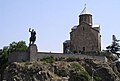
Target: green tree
x=17, y=46
x=114, y=47
x=14, y=46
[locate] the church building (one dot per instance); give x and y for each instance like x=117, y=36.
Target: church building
x=84, y=37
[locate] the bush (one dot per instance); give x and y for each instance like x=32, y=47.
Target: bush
x=77, y=67
x=78, y=76
x=61, y=59
x=49, y=59
x=97, y=78
x=71, y=59
x=61, y=72
x=78, y=73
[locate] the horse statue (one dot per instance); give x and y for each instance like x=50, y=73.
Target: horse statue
x=33, y=36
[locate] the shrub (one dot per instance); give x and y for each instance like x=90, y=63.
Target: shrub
x=97, y=78
x=49, y=59
x=71, y=59
x=78, y=73
x=61, y=72
x=78, y=76
x=77, y=67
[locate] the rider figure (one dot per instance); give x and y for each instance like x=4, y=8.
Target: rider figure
x=33, y=36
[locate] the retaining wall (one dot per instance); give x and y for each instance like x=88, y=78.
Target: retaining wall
x=33, y=55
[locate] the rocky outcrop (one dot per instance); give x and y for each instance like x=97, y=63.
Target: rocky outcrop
x=64, y=70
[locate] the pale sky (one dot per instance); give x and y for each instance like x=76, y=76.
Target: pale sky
x=53, y=20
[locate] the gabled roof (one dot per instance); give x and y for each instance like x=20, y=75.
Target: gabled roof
x=67, y=41
x=75, y=27
x=85, y=11
x=96, y=27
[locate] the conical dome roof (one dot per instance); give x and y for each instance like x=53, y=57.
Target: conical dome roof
x=85, y=11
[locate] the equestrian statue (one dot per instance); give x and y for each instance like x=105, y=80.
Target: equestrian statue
x=33, y=36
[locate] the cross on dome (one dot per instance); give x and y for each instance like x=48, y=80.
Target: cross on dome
x=85, y=11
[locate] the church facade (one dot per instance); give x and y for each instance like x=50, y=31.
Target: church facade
x=84, y=37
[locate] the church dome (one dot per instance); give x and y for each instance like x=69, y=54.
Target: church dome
x=85, y=16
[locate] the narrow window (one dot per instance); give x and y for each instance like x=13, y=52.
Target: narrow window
x=92, y=47
x=83, y=28
x=83, y=48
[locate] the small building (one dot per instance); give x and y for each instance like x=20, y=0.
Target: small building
x=84, y=37
x=66, y=46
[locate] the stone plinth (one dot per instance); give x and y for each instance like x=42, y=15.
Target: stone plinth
x=33, y=52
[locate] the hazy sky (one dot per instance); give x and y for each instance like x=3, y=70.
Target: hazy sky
x=53, y=20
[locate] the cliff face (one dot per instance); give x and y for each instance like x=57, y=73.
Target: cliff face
x=65, y=70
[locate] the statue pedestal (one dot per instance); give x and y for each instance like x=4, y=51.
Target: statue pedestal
x=33, y=52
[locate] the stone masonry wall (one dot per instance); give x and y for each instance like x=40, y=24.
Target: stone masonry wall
x=18, y=57
x=84, y=38
x=33, y=55
x=41, y=55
